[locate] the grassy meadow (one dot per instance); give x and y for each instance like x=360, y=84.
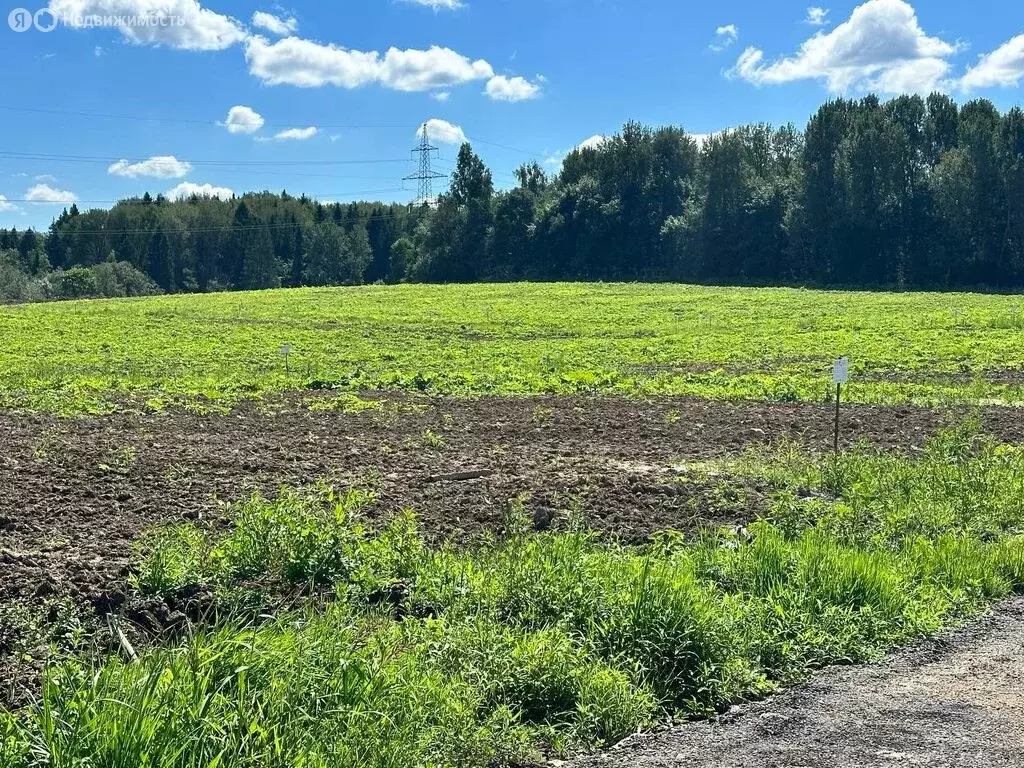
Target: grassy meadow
x=530, y=646
x=629, y=339
x=306, y=637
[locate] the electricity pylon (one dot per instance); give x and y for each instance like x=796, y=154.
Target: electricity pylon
x=426, y=174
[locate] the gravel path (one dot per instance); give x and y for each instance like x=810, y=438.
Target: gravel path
x=951, y=702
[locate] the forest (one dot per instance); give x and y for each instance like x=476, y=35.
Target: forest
x=908, y=193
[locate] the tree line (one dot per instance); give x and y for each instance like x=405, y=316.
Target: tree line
x=909, y=193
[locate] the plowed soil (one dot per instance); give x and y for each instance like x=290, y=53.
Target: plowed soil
x=76, y=494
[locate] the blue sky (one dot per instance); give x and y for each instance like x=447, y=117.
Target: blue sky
x=324, y=96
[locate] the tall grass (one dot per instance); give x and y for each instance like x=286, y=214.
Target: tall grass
x=536, y=644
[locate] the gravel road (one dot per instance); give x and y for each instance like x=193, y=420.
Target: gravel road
x=951, y=702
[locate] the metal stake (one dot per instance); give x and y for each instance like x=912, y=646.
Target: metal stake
x=835, y=437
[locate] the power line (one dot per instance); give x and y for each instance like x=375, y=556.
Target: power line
x=186, y=121
x=511, y=176
x=139, y=201
x=426, y=174
x=286, y=174
x=208, y=122
x=93, y=159
x=475, y=140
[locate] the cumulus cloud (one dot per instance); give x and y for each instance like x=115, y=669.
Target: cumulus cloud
x=296, y=134
x=308, y=64
x=414, y=70
x=558, y=156
x=593, y=142
x=501, y=88
x=158, y=167
x=444, y=132
x=441, y=96
x=880, y=47
x=242, y=119
x=702, y=138
x=6, y=206
x=724, y=37
x=1003, y=67
x=187, y=189
x=182, y=24
x=437, y=5
x=816, y=17
x=44, y=193
x=920, y=76
x=275, y=24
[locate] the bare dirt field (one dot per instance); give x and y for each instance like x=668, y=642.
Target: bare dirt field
x=78, y=492
x=955, y=701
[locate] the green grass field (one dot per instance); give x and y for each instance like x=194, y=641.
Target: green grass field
x=537, y=645
x=310, y=634
x=762, y=344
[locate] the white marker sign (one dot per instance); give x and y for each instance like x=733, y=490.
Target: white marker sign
x=841, y=371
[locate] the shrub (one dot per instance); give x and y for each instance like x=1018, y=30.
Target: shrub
x=74, y=283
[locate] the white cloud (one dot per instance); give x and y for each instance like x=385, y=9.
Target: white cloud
x=294, y=61
x=275, y=24
x=702, y=138
x=816, y=17
x=437, y=5
x=182, y=24
x=880, y=47
x=6, y=206
x=187, y=189
x=158, y=167
x=296, y=134
x=558, y=156
x=243, y=119
x=724, y=37
x=1004, y=67
x=441, y=96
x=44, y=193
x=501, y=88
x=920, y=76
x=46, y=178
x=307, y=64
x=444, y=132
x=414, y=70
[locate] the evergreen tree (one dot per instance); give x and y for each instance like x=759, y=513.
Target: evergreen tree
x=259, y=265
x=160, y=267
x=910, y=192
